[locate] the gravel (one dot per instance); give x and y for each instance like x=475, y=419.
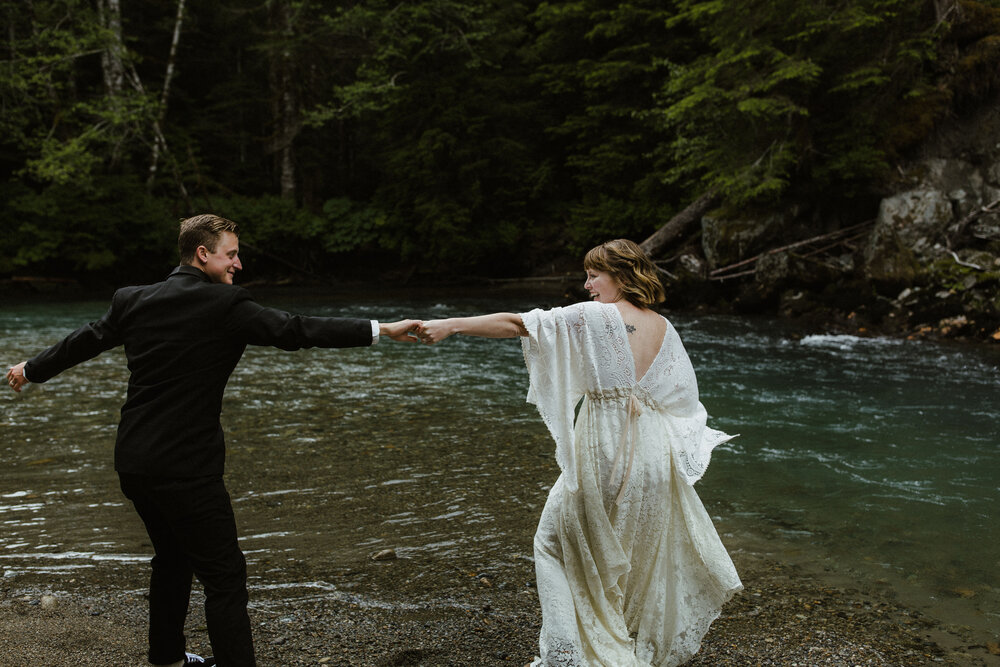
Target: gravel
x=783, y=617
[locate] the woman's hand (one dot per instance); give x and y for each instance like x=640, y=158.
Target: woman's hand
x=435, y=331
x=495, y=325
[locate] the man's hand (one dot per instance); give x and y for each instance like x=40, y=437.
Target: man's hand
x=403, y=331
x=15, y=377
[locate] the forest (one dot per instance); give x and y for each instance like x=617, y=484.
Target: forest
x=445, y=138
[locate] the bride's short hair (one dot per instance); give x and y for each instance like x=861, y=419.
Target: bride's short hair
x=631, y=268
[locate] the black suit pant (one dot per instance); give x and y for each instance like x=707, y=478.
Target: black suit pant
x=191, y=524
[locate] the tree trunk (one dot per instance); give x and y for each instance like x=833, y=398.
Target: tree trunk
x=113, y=65
x=678, y=224
x=159, y=142
x=112, y=61
x=285, y=106
x=288, y=132
x=947, y=10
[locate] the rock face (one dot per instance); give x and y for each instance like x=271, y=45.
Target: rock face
x=929, y=264
x=908, y=227
x=726, y=240
x=918, y=227
x=924, y=260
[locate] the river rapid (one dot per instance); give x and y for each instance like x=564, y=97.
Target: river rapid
x=870, y=461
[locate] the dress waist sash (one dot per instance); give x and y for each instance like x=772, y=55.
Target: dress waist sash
x=633, y=400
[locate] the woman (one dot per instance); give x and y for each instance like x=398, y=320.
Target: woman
x=630, y=568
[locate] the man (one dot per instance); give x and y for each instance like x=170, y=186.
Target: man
x=183, y=337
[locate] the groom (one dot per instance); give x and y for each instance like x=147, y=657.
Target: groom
x=183, y=337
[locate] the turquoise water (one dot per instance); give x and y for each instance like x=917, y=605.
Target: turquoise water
x=873, y=460
x=876, y=459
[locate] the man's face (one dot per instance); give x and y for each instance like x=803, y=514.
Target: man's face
x=221, y=265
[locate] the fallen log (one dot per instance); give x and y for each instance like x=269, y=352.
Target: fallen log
x=676, y=226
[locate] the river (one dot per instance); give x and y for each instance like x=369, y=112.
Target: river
x=871, y=461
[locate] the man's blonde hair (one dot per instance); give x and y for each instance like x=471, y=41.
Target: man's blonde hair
x=202, y=230
x=631, y=268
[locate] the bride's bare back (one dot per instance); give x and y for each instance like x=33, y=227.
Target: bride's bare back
x=646, y=329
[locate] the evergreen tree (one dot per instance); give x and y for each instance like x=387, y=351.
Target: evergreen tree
x=790, y=91
x=599, y=64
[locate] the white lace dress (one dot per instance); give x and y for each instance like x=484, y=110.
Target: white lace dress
x=630, y=568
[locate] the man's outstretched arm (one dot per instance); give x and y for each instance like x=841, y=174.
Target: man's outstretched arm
x=85, y=343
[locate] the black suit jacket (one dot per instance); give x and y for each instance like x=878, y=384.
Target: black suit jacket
x=183, y=337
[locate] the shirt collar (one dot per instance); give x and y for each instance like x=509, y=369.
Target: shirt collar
x=188, y=270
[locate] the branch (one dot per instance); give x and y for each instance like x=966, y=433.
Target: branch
x=665, y=272
x=34, y=59
x=714, y=275
x=961, y=263
x=964, y=222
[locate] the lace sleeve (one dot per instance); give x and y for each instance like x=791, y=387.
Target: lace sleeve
x=552, y=354
x=676, y=390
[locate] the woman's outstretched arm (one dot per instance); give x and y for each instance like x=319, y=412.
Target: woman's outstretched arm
x=495, y=325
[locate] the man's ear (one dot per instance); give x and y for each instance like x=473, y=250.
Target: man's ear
x=201, y=254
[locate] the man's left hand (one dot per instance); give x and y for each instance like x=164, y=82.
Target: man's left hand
x=403, y=331
x=16, y=379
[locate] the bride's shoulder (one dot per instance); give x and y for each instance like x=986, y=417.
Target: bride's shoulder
x=576, y=309
x=591, y=306
x=593, y=311
x=577, y=314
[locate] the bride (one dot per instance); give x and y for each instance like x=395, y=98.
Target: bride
x=630, y=569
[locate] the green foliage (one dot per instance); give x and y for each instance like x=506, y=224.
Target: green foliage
x=387, y=41
x=459, y=177
x=598, y=90
x=110, y=228
x=458, y=135
x=351, y=225
x=271, y=221
x=62, y=128
x=787, y=90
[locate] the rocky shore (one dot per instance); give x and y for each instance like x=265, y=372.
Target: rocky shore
x=783, y=617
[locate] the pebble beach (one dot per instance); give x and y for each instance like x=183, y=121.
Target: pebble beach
x=784, y=616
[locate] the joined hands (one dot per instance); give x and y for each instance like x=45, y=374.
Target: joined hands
x=434, y=331
x=403, y=331
x=412, y=331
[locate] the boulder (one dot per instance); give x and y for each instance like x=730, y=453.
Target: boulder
x=907, y=229
x=774, y=271
x=961, y=182
x=692, y=265
x=993, y=174
x=728, y=240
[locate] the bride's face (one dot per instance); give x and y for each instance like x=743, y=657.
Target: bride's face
x=602, y=287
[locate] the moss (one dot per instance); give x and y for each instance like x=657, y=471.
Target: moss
x=976, y=71
x=978, y=20
x=894, y=265
x=974, y=290
x=917, y=116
